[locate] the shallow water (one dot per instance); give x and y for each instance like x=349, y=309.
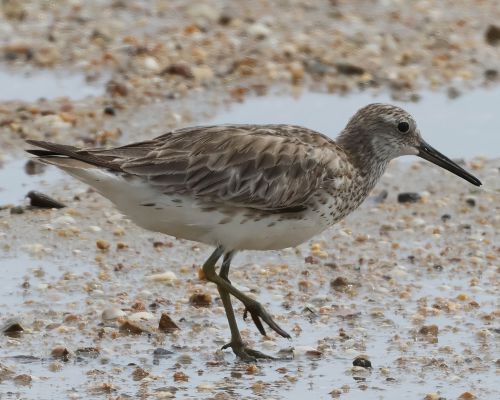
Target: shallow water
x=466, y=126
x=48, y=84
x=15, y=182
x=67, y=273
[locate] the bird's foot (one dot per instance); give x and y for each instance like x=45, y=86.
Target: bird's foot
x=245, y=353
x=257, y=313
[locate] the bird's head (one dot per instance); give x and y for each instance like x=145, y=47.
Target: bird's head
x=386, y=132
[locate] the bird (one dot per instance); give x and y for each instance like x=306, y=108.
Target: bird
x=247, y=186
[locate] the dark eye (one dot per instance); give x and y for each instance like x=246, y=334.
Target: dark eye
x=403, y=127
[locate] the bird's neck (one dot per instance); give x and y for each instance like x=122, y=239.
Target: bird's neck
x=369, y=162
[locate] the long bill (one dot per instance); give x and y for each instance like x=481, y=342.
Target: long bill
x=429, y=153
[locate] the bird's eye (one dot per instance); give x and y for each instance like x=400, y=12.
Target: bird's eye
x=403, y=127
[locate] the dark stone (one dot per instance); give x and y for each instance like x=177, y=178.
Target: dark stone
x=108, y=110
x=181, y=69
x=167, y=324
x=40, y=200
x=362, y=361
x=471, y=201
x=492, y=35
x=12, y=328
x=161, y=352
x=445, y=217
x=491, y=74
x=408, y=197
x=349, y=69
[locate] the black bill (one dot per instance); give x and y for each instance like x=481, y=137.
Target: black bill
x=429, y=153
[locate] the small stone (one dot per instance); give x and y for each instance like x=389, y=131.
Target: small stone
x=12, y=327
x=429, y=330
x=258, y=31
x=492, y=35
x=90, y=352
x=432, y=396
x=181, y=69
x=408, y=197
x=349, y=69
x=467, y=396
x=60, y=352
x=139, y=374
x=41, y=200
x=203, y=73
x=252, y=369
x=23, y=380
x=151, y=64
x=132, y=327
x=162, y=353
x=165, y=277
x=340, y=284
x=112, y=313
x=491, y=74
x=445, y=217
x=102, y=244
x=180, y=376
x=166, y=324
x=200, y=299
x=362, y=361
x=471, y=201
x=109, y=110
x=116, y=89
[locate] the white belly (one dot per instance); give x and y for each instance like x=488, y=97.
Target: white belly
x=184, y=217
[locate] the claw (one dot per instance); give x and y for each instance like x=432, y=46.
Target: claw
x=245, y=353
x=257, y=313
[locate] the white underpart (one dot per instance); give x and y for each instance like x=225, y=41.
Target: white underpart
x=183, y=216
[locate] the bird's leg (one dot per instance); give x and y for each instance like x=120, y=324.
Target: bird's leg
x=236, y=343
x=254, y=307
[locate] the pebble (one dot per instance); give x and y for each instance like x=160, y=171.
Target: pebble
x=12, y=327
x=429, y=330
x=200, y=299
x=41, y=200
x=258, y=31
x=408, y=197
x=102, y=244
x=112, y=313
x=340, y=284
x=167, y=277
x=492, y=35
x=180, y=376
x=61, y=353
x=139, y=374
x=166, y=323
x=362, y=361
x=349, y=69
x=23, y=380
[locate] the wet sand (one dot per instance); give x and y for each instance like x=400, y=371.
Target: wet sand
x=413, y=288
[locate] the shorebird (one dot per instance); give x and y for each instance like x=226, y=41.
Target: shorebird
x=247, y=187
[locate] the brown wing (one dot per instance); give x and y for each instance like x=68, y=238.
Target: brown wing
x=270, y=167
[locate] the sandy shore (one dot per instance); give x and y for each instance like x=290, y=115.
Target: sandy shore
x=411, y=287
